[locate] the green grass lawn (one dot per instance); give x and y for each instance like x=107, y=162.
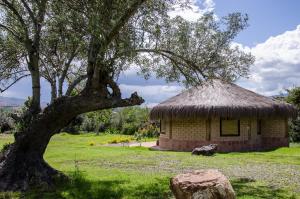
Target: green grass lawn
x=136, y=172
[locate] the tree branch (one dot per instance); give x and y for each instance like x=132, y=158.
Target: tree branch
x=13, y=32
x=31, y=14
x=15, y=81
x=170, y=55
x=65, y=71
x=17, y=14
x=123, y=20
x=74, y=84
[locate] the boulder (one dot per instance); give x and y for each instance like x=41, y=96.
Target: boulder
x=202, y=184
x=205, y=150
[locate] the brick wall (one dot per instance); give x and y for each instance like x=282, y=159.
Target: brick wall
x=274, y=128
x=186, y=134
x=189, y=129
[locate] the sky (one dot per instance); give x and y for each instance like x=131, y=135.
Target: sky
x=273, y=37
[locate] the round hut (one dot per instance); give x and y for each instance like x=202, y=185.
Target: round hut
x=222, y=113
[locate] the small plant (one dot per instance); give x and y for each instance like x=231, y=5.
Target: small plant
x=92, y=143
x=5, y=147
x=138, y=137
x=120, y=140
x=112, y=131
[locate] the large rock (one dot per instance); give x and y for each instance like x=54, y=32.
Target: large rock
x=205, y=150
x=202, y=184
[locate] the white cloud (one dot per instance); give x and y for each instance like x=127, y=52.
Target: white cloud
x=196, y=10
x=277, y=65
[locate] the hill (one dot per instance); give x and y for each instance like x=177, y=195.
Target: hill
x=11, y=102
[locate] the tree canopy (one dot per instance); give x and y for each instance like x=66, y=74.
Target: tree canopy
x=73, y=39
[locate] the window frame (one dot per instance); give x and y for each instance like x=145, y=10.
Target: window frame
x=259, y=127
x=160, y=129
x=230, y=135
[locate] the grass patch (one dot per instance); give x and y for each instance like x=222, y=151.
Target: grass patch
x=136, y=172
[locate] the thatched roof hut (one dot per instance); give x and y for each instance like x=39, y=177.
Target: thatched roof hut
x=222, y=113
x=223, y=99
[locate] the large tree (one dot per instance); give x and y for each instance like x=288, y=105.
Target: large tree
x=88, y=43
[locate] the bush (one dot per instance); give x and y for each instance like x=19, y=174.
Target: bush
x=294, y=125
x=92, y=143
x=128, y=120
x=112, y=131
x=120, y=140
x=74, y=126
x=6, y=122
x=97, y=121
x=294, y=130
x=129, y=129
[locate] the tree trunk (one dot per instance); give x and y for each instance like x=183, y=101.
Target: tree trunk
x=22, y=165
x=53, y=90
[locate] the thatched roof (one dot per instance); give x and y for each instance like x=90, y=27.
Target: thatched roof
x=221, y=99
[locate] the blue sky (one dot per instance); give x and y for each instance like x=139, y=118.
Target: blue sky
x=273, y=37
x=266, y=17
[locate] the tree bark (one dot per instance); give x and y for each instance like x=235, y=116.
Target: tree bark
x=22, y=165
x=53, y=90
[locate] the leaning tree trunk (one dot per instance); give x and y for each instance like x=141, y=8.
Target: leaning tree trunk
x=22, y=165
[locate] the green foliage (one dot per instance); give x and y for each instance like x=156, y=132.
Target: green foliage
x=6, y=122
x=148, y=129
x=129, y=120
x=294, y=96
x=5, y=147
x=92, y=143
x=120, y=140
x=112, y=131
x=294, y=125
x=97, y=121
x=23, y=116
x=176, y=48
x=295, y=130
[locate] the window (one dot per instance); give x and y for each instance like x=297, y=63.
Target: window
x=258, y=127
x=163, y=126
x=229, y=127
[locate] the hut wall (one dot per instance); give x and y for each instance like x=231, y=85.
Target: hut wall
x=275, y=133
x=274, y=128
x=215, y=131
x=190, y=129
x=186, y=134
x=166, y=134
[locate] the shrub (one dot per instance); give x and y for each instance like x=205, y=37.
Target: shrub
x=294, y=125
x=74, y=126
x=92, y=143
x=120, y=140
x=294, y=130
x=129, y=129
x=112, y=131
x=97, y=121
x=6, y=122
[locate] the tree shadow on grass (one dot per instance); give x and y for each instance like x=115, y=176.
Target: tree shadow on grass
x=78, y=187
x=157, y=190
x=248, y=188
x=83, y=189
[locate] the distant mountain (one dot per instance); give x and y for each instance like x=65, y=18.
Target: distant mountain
x=11, y=102
x=15, y=102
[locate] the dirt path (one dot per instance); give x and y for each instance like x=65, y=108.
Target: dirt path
x=134, y=144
